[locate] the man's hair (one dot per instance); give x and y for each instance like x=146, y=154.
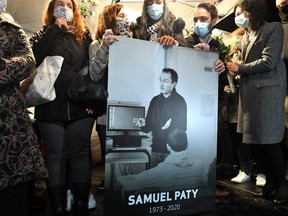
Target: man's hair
x=257, y=10
x=177, y=140
x=210, y=8
x=174, y=75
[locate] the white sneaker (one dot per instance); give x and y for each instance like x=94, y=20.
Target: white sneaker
x=91, y=201
x=241, y=178
x=260, y=180
x=70, y=200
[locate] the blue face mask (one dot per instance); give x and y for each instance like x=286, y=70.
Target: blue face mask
x=241, y=21
x=201, y=29
x=155, y=11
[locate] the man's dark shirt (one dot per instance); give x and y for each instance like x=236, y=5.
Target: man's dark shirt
x=160, y=110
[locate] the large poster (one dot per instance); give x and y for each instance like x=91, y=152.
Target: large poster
x=161, y=130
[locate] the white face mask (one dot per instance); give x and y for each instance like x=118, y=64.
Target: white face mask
x=65, y=12
x=3, y=4
x=201, y=28
x=241, y=21
x=155, y=11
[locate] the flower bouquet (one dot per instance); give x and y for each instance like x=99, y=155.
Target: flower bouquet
x=229, y=53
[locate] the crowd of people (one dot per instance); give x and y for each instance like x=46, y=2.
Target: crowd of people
x=65, y=128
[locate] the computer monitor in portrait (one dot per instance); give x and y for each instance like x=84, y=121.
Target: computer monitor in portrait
x=124, y=118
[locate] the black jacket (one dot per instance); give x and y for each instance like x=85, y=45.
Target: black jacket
x=160, y=110
x=54, y=41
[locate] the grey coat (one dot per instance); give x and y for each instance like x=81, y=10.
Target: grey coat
x=262, y=87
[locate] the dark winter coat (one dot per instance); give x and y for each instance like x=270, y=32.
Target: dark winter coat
x=54, y=41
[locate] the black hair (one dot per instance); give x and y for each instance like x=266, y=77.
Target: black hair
x=174, y=75
x=257, y=10
x=210, y=8
x=177, y=140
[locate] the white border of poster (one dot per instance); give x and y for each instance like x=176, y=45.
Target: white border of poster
x=134, y=70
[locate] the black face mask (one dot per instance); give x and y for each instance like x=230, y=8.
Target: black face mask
x=284, y=9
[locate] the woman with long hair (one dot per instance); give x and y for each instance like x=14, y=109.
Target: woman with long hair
x=112, y=21
x=156, y=23
x=262, y=90
x=64, y=127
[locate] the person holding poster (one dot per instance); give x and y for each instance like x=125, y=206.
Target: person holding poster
x=205, y=17
x=167, y=111
x=262, y=91
x=112, y=22
x=155, y=23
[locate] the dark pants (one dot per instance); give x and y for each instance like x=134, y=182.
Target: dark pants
x=229, y=139
x=270, y=155
x=14, y=200
x=244, y=157
x=67, y=142
x=101, y=130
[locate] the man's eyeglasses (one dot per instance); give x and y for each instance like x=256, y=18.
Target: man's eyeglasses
x=164, y=81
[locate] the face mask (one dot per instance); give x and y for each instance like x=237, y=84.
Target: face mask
x=155, y=11
x=3, y=5
x=241, y=21
x=65, y=12
x=122, y=25
x=201, y=29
